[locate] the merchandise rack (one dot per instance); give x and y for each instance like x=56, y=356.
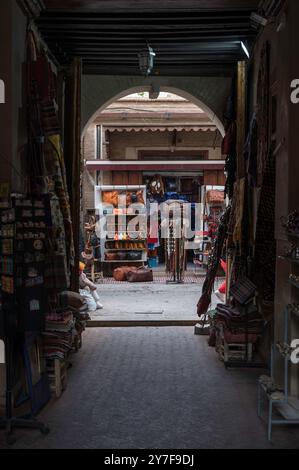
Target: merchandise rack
x=280, y=400
x=13, y=327
x=121, y=240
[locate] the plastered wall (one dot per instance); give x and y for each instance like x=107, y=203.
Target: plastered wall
x=100, y=91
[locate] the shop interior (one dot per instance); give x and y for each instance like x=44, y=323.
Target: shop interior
x=144, y=246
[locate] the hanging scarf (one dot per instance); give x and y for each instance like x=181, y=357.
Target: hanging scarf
x=213, y=265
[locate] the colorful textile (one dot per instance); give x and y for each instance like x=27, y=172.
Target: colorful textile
x=213, y=264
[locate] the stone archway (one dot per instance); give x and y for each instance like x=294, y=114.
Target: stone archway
x=208, y=93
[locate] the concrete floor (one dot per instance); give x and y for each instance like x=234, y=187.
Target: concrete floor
x=147, y=301
x=154, y=388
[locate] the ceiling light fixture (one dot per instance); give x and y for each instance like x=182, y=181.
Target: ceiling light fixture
x=146, y=60
x=245, y=49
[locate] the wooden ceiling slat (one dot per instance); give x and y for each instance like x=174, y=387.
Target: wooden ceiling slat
x=159, y=53
x=128, y=37
x=205, y=35
x=149, y=5
x=103, y=28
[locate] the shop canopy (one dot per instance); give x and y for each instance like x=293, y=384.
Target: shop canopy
x=161, y=128
x=136, y=165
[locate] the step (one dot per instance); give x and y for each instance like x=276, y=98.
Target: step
x=139, y=323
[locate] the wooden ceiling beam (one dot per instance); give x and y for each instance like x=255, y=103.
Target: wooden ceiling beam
x=108, y=34
x=141, y=28
x=160, y=54
x=110, y=37
x=148, y=6
x=155, y=15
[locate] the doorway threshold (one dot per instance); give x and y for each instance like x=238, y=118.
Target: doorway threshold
x=102, y=323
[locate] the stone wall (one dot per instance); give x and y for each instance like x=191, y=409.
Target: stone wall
x=284, y=66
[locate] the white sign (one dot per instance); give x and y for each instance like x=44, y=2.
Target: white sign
x=2, y=352
x=2, y=92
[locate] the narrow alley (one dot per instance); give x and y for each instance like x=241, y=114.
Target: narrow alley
x=154, y=388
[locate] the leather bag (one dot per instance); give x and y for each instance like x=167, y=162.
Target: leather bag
x=120, y=274
x=140, y=275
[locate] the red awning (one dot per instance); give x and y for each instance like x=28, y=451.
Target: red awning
x=136, y=165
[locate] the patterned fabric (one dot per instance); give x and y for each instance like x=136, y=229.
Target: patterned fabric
x=213, y=265
x=265, y=243
x=243, y=291
x=263, y=112
x=49, y=119
x=46, y=161
x=57, y=274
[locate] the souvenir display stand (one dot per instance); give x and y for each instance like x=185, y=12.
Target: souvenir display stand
x=23, y=304
x=122, y=246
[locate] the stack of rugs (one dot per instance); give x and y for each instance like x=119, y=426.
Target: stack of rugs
x=59, y=335
x=232, y=326
x=64, y=328
x=238, y=326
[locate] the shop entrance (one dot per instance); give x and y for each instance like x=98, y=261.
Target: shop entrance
x=163, y=152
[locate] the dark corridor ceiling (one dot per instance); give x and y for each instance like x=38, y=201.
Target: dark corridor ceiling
x=190, y=37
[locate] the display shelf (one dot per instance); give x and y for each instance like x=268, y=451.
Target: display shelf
x=125, y=261
x=125, y=249
x=279, y=400
x=289, y=410
x=121, y=217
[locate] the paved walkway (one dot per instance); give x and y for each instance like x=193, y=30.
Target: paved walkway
x=147, y=301
x=154, y=388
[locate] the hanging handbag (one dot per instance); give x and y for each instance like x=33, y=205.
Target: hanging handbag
x=156, y=186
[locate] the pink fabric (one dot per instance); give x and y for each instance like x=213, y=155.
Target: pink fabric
x=222, y=288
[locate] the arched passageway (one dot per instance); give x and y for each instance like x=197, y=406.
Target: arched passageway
x=208, y=93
